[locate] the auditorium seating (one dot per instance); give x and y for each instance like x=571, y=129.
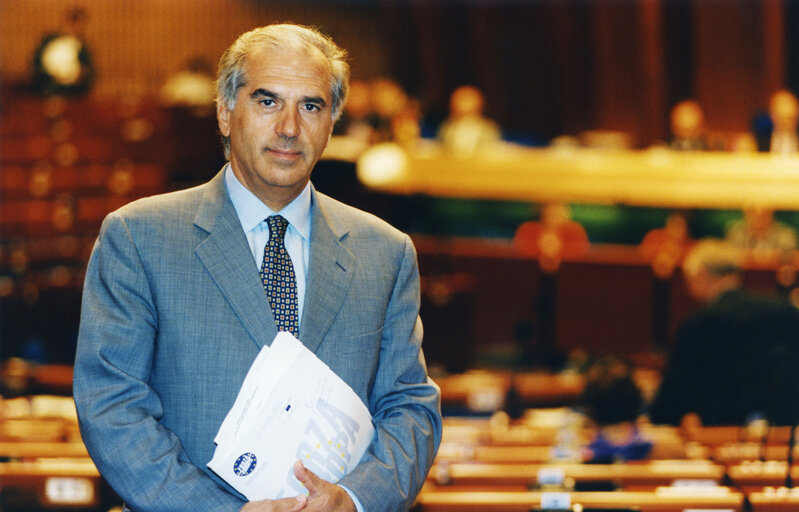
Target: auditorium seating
x=526, y=501
x=626, y=476
x=60, y=176
x=50, y=484
x=500, y=464
x=735, y=453
x=65, y=163
x=775, y=499
x=43, y=462
x=754, y=474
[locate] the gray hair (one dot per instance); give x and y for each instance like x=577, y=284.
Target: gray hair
x=231, y=75
x=717, y=258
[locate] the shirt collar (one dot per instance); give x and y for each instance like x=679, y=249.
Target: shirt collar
x=252, y=211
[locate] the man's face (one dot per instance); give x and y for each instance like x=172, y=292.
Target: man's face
x=280, y=124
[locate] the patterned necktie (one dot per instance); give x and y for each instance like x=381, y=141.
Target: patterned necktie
x=277, y=274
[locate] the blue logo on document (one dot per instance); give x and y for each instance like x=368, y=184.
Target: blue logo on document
x=245, y=464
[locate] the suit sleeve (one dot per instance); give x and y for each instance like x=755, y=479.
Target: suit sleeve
x=118, y=411
x=405, y=405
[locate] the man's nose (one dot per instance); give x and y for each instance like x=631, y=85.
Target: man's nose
x=288, y=124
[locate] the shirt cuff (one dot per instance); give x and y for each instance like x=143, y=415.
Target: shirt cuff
x=355, y=500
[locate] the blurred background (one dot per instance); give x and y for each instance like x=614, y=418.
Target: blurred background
x=138, y=119
x=553, y=161
x=546, y=68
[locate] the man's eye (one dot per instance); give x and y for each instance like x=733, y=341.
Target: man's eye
x=267, y=102
x=310, y=107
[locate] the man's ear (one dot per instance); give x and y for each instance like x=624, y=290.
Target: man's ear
x=223, y=118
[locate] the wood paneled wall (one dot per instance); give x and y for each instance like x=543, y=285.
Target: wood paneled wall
x=553, y=67
x=137, y=44
x=548, y=67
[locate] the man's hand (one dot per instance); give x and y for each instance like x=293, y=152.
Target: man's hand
x=323, y=496
x=284, y=505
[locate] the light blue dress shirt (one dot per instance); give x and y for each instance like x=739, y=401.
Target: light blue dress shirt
x=252, y=213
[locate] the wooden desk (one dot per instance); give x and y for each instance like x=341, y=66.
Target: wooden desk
x=42, y=379
x=511, y=454
x=480, y=390
x=721, y=435
x=775, y=500
x=55, y=378
x=736, y=453
x=656, y=177
x=530, y=439
x=650, y=474
x=761, y=474
x=40, y=449
x=655, y=501
x=34, y=429
x=56, y=483
x=512, y=435
x=545, y=388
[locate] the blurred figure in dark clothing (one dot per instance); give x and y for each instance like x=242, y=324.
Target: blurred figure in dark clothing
x=613, y=402
x=734, y=357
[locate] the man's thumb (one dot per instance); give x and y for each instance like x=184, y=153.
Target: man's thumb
x=304, y=475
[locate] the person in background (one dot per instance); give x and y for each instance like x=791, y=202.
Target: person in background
x=761, y=235
x=735, y=356
x=553, y=237
x=688, y=127
x=775, y=130
x=784, y=112
x=62, y=63
x=358, y=117
x=467, y=129
x=388, y=101
x=664, y=248
x=178, y=301
x=613, y=402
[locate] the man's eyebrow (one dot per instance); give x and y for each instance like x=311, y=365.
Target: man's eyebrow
x=316, y=100
x=264, y=93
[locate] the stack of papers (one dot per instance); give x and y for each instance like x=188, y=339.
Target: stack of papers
x=291, y=407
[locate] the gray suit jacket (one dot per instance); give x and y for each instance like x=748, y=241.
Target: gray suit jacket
x=174, y=313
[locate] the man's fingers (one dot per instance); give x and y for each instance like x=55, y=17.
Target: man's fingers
x=322, y=495
x=306, y=476
x=293, y=504
x=283, y=505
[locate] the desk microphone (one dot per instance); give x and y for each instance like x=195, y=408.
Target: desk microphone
x=791, y=444
x=757, y=428
x=793, y=360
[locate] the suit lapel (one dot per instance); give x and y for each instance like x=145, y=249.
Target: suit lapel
x=330, y=273
x=227, y=258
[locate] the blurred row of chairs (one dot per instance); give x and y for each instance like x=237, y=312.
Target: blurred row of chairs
x=64, y=165
x=497, y=464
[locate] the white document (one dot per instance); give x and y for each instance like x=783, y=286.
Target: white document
x=291, y=406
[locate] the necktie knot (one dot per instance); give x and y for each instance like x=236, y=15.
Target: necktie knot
x=277, y=226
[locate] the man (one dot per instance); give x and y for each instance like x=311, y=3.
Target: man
x=467, y=130
x=687, y=122
x=174, y=310
x=735, y=357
